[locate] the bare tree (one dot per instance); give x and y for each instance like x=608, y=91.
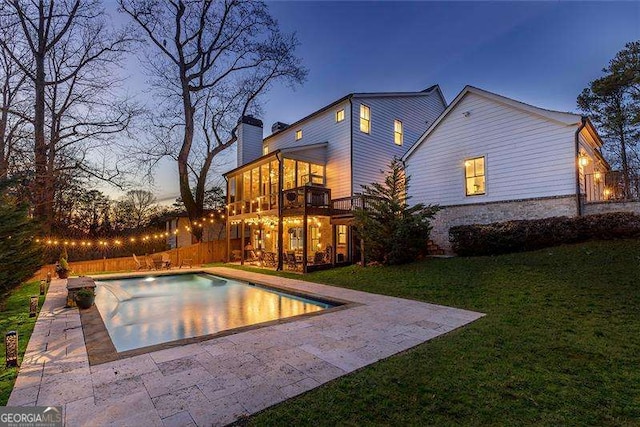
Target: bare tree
x=210, y=62
x=70, y=64
x=14, y=123
x=139, y=206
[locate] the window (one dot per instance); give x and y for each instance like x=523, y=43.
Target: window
x=474, y=174
x=298, y=134
x=315, y=239
x=397, y=132
x=295, y=238
x=339, y=115
x=265, y=149
x=365, y=118
x=341, y=230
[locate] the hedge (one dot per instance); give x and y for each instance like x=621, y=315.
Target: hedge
x=527, y=235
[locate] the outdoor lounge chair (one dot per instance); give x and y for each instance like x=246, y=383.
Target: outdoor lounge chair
x=318, y=258
x=292, y=263
x=137, y=261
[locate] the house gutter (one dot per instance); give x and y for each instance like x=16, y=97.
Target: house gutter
x=583, y=124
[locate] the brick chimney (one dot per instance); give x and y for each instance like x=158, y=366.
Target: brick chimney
x=249, y=134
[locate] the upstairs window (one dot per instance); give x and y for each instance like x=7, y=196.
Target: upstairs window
x=265, y=150
x=339, y=115
x=298, y=134
x=474, y=174
x=397, y=132
x=365, y=119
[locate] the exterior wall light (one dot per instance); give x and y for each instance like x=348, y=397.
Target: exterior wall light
x=597, y=176
x=11, y=348
x=584, y=160
x=33, y=305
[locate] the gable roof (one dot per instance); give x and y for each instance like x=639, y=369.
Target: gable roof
x=561, y=117
x=425, y=92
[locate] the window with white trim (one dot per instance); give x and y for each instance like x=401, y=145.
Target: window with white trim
x=298, y=134
x=474, y=175
x=397, y=132
x=365, y=119
x=339, y=115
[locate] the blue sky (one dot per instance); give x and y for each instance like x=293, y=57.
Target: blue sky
x=542, y=53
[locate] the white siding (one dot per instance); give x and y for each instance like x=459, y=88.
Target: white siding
x=527, y=156
x=323, y=128
x=372, y=152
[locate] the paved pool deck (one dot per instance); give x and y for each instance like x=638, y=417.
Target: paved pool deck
x=214, y=382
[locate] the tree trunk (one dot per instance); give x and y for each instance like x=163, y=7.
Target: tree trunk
x=625, y=165
x=41, y=207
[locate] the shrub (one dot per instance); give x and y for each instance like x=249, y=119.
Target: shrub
x=528, y=235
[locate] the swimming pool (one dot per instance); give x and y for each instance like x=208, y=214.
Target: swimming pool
x=145, y=311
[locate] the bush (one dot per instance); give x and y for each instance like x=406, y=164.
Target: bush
x=528, y=235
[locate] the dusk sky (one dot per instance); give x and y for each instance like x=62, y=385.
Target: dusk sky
x=542, y=53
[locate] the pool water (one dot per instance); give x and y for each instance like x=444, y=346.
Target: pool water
x=144, y=311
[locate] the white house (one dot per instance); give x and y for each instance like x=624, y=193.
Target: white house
x=488, y=158
x=293, y=192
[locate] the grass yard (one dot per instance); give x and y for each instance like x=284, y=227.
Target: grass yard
x=560, y=344
x=14, y=315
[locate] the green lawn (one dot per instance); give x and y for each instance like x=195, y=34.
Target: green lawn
x=14, y=316
x=560, y=345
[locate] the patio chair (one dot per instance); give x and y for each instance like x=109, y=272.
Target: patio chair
x=166, y=261
x=137, y=261
x=292, y=263
x=149, y=262
x=269, y=259
x=236, y=254
x=318, y=258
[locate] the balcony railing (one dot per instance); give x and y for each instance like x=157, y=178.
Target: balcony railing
x=308, y=196
x=611, y=187
x=346, y=205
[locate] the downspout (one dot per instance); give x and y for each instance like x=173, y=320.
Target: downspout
x=577, y=164
x=351, y=116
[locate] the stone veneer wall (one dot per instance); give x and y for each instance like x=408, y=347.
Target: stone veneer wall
x=486, y=213
x=605, y=207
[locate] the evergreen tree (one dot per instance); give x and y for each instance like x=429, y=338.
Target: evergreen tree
x=613, y=103
x=393, y=232
x=20, y=255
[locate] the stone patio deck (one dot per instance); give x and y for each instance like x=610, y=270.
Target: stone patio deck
x=214, y=382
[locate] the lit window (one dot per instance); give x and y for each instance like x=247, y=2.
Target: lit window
x=397, y=132
x=474, y=174
x=265, y=149
x=365, y=118
x=298, y=134
x=339, y=116
x=342, y=234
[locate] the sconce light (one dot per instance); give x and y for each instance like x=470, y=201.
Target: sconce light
x=584, y=160
x=11, y=348
x=33, y=305
x=597, y=176
x=607, y=193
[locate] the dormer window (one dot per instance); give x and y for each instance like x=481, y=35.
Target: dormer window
x=365, y=119
x=298, y=134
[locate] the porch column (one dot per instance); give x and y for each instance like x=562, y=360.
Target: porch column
x=333, y=245
x=280, y=222
x=228, y=232
x=242, y=242
x=304, y=241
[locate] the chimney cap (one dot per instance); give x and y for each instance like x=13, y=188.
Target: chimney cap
x=250, y=120
x=278, y=126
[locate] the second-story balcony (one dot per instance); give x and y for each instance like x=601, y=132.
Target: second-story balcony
x=315, y=200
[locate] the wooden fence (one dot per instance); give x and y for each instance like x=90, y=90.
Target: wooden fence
x=200, y=253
